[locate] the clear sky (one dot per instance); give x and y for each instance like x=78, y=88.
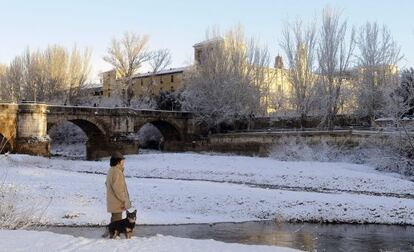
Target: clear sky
x=179, y=24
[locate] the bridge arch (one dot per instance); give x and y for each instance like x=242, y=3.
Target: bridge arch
x=97, y=137
x=170, y=131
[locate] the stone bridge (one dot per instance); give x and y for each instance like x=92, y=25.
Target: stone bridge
x=24, y=127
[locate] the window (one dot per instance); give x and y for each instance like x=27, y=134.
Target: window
x=161, y=80
x=198, y=55
x=172, y=88
x=172, y=77
x=142, y=82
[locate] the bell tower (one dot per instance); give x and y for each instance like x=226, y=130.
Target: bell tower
x=279, y=62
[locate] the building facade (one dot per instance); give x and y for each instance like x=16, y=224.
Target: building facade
x=146, y=84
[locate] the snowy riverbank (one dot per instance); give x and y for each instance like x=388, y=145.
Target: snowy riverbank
x=327, y=192
x=45, y=241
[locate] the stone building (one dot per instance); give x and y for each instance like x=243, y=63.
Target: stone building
x=154, y=83
x=144, y=83
x=275, y=96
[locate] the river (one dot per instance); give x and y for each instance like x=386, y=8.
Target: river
x=304, y=236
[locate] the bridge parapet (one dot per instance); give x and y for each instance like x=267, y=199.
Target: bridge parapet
x=57, y=109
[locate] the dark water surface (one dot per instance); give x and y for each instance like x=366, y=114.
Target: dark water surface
x=304, y=236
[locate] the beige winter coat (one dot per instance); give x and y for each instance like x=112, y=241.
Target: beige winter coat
x=117, y=196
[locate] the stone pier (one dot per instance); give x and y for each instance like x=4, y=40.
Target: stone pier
x=31, y=137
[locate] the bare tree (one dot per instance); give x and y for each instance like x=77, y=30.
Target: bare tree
x=11, y=80
x=78, y=72
x=160, y=59
x=377, y=59
x=34, y=76
x=3, y=83
x=55, y=60
x=224, y=86
x=262, y=77
x=299, y=45
x=127, y=56
x=334, y=52
x=46, y=75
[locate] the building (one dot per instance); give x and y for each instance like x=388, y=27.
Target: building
x=275, y=96
x=145, y=83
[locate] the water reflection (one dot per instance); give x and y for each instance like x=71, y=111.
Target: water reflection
x=307, y=236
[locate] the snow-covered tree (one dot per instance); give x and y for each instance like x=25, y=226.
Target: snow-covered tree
x=299, y=45
x=334, y=51
x=144, y=102
x=169, y=100
x=406, y=91
x=377, y=63
x=225, y=84
x=400, y=108
x=400, y=103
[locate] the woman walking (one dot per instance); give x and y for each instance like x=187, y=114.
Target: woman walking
x=117, y=196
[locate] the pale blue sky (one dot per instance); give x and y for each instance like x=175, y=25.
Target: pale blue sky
x=178, y=25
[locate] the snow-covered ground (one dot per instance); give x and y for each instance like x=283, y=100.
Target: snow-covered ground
x=318, y=176
x=46, y=241
x=75, y=150
x=322, y=191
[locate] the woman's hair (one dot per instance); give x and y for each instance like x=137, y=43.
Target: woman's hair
x=114, y=161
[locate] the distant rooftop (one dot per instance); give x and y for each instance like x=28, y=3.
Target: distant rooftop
x=209, y=41
x=92, y=85
x=166, y=71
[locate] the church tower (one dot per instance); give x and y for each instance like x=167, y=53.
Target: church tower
x=279, y=62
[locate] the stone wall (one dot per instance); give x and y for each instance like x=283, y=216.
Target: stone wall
x=291, y=122
x=262, y=143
